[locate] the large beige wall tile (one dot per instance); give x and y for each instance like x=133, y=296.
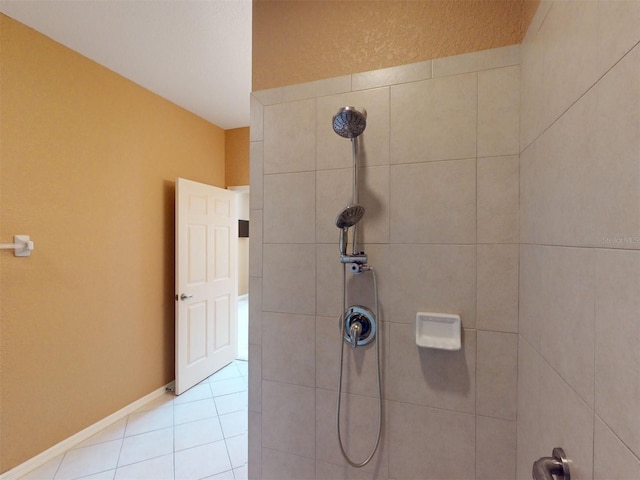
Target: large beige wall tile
x=256, y=173
x=564, y=295
x=475, y=61
x=498, y=200
x=570, y=66
x=616, y=192
x=288, y=419
x=531, y=171
x=255, y=243
x=256, y=123
x=432, y=278
x=335, y=151
x=328, y=343
x=255, y=378
x=255, y=310
x=496, y=374
x=531, y=92
x=279, y=465
x=431, y=377
x=358, y=429
x=434, y=119
x=412, y=72
x=618, y=30
x=254, y=447
x=430, y=443
x=559, y=180
x=499, y=111
x=289, y=277
x=316, y=88
x=360, y=287
x=299, y=333
x=528, y=431
x=334, y=192
x=497, y=287
x=270, y=96
x=566, y=421
x=612, y=460
x=550, y=414
x=495, y=448
x=374, y=197
x=359, y=370
x=290, y=137
x=329, y=280
x=289, y=206
x=329, y=471
x=617, y=374
x=433, y=202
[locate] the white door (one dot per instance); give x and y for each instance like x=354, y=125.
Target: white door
x=206, y=281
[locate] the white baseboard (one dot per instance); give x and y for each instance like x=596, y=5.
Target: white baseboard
x=68, y=443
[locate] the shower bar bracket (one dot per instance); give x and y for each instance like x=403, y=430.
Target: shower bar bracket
x=551, y=468
x=360, y=258
x=22, y=246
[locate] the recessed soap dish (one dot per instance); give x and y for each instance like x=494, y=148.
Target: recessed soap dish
x=438, y=330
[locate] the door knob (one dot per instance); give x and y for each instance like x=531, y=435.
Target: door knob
x=184, y=297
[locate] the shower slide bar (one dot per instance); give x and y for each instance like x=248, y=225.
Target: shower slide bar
x=546, y=467
x=22, y=246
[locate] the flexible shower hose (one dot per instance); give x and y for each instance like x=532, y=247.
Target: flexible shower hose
x=342, y=328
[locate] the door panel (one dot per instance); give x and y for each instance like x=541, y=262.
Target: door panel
x=223, y=328
x=206, y=281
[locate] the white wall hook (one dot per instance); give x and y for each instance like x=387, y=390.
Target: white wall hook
x=22, y=245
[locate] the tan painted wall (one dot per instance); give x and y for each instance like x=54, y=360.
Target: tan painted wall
x=299, y=41
x=237, y=156
x=88, y=165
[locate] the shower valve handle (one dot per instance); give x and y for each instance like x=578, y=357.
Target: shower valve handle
x=354, y=333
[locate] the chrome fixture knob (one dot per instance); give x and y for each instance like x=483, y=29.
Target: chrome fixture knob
x=546, y=468
x=354, y=333
x=359, y=325
x=184, y=297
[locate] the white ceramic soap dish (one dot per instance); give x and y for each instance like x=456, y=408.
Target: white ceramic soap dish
x=438, y=330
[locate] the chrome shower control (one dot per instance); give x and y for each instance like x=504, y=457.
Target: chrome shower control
x=552, y=468
x=354, y=333
x=359, y=325
x=360, y=258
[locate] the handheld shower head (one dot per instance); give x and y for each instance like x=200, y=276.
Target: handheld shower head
x=350, y=122
x=348, y=217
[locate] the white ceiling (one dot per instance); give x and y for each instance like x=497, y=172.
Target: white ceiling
x=194, y=53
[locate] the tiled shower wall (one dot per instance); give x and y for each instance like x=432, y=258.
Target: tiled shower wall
x=579, y=342
x=439, y=179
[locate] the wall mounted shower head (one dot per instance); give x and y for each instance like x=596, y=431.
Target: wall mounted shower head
x=348, y=217
x=350, y=122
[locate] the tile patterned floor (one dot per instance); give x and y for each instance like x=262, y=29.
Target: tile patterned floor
x=202, y=434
